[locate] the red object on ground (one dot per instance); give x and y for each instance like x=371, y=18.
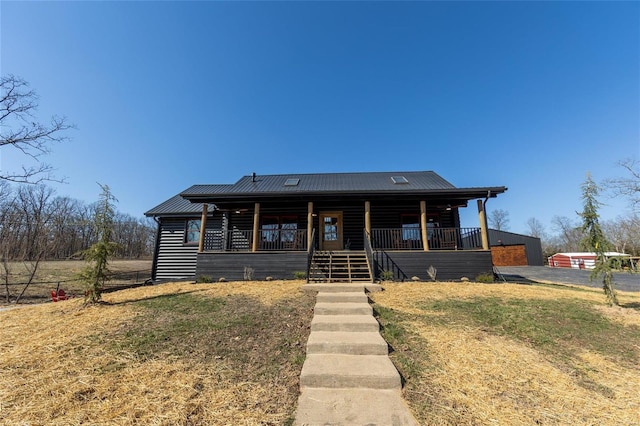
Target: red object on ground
x=58, y=295
x=62, y=295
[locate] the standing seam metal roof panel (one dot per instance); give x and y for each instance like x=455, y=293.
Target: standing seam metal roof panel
x=327, y=182
x=175, y=205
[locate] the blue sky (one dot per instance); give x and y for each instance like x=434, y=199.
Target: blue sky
x=530, y=95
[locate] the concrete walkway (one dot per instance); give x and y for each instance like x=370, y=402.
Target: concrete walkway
x=347, y=377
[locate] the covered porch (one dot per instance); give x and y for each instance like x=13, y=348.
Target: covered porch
x=346, y=225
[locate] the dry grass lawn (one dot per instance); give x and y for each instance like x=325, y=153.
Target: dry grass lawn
x=231, y=353
x=172, y=354
x=514, y=354
x=65, y=272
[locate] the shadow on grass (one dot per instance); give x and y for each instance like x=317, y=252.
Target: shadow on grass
x=515, y=279
x=632, y=305
x=148, y=298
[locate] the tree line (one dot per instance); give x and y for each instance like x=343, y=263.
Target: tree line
x=567, y=234
x=37, y=224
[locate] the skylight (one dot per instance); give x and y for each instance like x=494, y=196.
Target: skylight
x=292, y=182
x=399, y=179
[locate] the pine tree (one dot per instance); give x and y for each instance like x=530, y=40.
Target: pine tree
x=595, y=240
x=97, y=272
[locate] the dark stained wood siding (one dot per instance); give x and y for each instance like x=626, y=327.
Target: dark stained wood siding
x=389, y=215
x=231, y=266
x=244, y=219
x=384, y=214
x=175, y=259
x=450, y=265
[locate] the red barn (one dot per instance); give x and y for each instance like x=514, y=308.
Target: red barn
x=578, y=260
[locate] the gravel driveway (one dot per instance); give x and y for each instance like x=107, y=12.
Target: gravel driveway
x=544, y=274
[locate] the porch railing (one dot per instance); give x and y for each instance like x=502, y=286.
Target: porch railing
x=438, y=239
x=310, y=250
x=268, y=240
x=368, y=250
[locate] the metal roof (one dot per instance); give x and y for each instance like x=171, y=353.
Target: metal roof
x=176, y=206
x=189, y=201
x=418, y=182
x=323, y=182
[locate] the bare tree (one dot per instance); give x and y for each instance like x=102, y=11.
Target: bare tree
x=628, y=186
x=624, y=234
x=20, y=130
x=499, y=220
x=569, y=234
x=536, y=228
x=24, y=235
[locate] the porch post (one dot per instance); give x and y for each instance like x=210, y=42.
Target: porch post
x=203, y=226
x=482, y=217
x=256, y=226
x=309, y=223
x=367, y=217
x=423, y=225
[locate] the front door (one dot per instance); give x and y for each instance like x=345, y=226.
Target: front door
x=331, y=231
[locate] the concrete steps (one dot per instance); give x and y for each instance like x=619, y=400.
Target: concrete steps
x=344, y=323
x=347, y=377
x=342, y=297
x=348, y=371
x=360, y=308
x=347, y=342
x=341, y=287
x=322, y=406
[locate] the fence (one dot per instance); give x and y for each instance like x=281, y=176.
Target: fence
x=268, y=240
x=39, y=291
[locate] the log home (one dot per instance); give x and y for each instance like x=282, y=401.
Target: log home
x=330, y=227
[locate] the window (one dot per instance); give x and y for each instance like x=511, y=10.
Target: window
x=192, y=234
x=279, y=228
x=292, y=182
x=330, y=228
x=270, y=225
x=399, y=179
x=431, y=228
x=289, y=226
x=410, y=227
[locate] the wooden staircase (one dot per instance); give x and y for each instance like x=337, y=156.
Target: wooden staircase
x=339, y=267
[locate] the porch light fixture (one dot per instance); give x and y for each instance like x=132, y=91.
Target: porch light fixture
x=399, y=179
x=448, y=207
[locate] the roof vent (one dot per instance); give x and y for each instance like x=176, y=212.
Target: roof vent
x=292, y=182
x=399, y=179
x=253, y=177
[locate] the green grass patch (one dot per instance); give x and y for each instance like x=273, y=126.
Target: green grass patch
x=256, y=339
x=558, y=328
x=555, y=326
x=409, y=353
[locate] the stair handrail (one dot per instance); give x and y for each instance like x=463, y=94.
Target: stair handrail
x=381, y=257
x=310, y=250
x=368, y=250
